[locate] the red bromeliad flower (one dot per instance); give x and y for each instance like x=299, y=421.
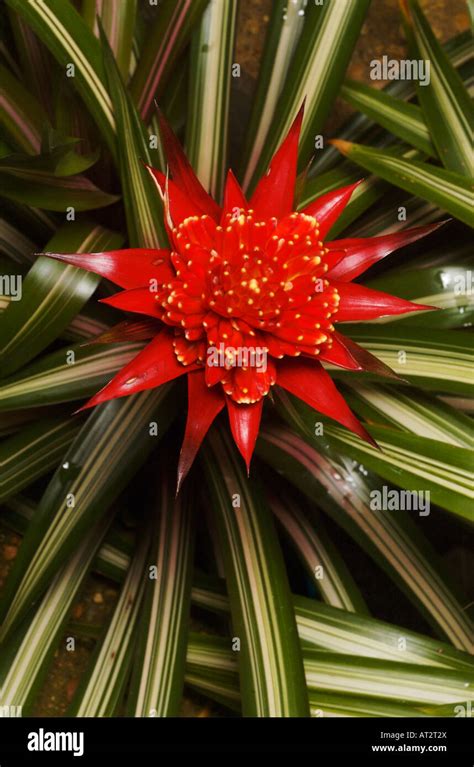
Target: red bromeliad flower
x=248, y=295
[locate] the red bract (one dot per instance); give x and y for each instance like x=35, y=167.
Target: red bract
x=248, y=295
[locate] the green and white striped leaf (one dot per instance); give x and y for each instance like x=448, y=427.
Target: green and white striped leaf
x=317, y=552
x=143, y=207
x=412, y=411
x=169, y=33
x=118, y=22
x=360, y=127
x=34, y=451
x=336, y=630
x=322, y=626
x=343, y=632
x=66, y=375
x=450, y=191
x=386, y=679
x=316, y=72
x=69, y=39
x=101, y=687
x=438, y=362
x=282, y=36
x=271, y=671
x=399, y=117
x=114, y=442
x=52, y=294
x=379, y=684
x=444, y=95
x=159, y=660
x=416, y=464
x=210, y=70
x=113, y=558
x=393, y=542
x=22, y=671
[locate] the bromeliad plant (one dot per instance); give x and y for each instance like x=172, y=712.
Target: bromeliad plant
x=217, y=266
x=251, y=275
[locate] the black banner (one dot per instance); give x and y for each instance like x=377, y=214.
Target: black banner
x=25, y=741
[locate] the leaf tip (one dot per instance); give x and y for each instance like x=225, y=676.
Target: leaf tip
x=343, y=146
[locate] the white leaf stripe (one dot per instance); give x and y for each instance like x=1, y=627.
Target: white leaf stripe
x=338, y=630
x=315, y=74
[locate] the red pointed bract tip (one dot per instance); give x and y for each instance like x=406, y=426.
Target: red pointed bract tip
x=248, y=296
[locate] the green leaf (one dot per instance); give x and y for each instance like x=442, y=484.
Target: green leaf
x=271, y=670
x=282, y=36
x=398, y=117
x=386, y=679
x=118, y=22
x=412, y=411
x=329, y=628
x=444, y=95
x=34, y=60
x=60, y=160
x=22, y=671
x=68, y=38
x=159, y=660
x=320, y=557
x=169, y=34
x=16, y=245
x=450, y=191
x=101, y=687
x=343, y=490
x=440, y=361
x=34, y=451
x=109, y=449
x=210, y=69
x=415, y=463
x=448, y=287
x=51, y=192
x=335, y=630
x=143, y=207
x=52, y=294
x=70, y=373
x=316, y=72
x=359, y=127
x=21, y=117
x=377, y=683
